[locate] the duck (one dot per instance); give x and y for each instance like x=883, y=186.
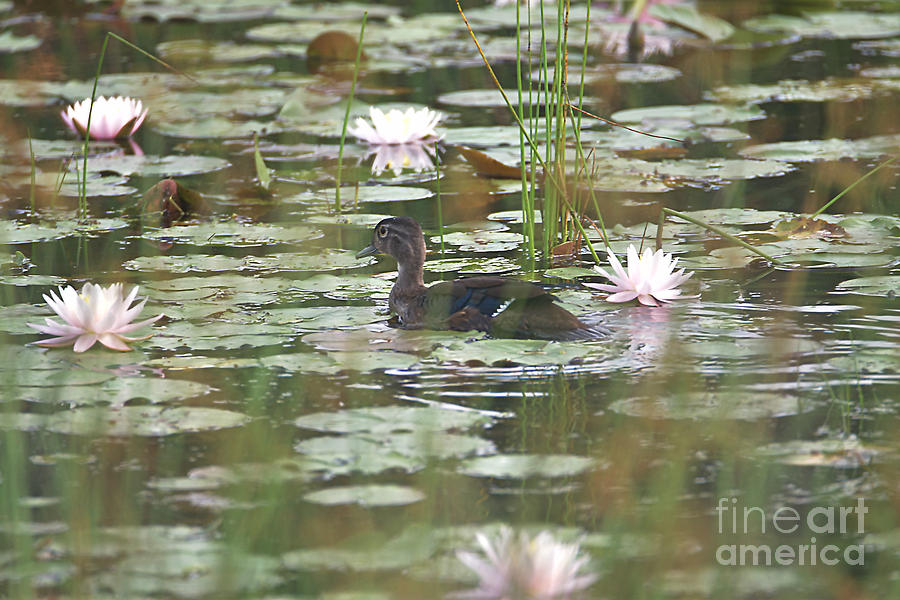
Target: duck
x=499, y=306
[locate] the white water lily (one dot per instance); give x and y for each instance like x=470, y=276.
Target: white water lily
x=97, y=314
x=111, y=118
x=651, y=278
x=518, y=566
x=395, y=127
x=397, y=157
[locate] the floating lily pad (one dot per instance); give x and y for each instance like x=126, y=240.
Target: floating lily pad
x=10, y=42
x=216, y=127
x=373, y=193
x=152, y=421
x=821, y=150
x=883, y=285
x=371, y=454
x=699, y=114
x=687, y=16
x=730, y=405
x=366, y=495
x=383, y=420
x=836, y=454
x=845, y=24
x=232, y=233
x=413, y=545
x=153, y=166
x=337, y=362
x=504, y=351
x=117, y=392
x=790, y=90
x=522, y=466
x=481, y=241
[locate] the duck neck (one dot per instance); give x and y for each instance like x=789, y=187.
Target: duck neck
x=411, y=265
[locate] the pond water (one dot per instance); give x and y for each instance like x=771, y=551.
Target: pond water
x=276, y=438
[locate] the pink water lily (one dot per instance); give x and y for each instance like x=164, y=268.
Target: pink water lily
x=395, y=127
x=651, y=278
x=519, y=566
x=97, y=314
x=111, y=118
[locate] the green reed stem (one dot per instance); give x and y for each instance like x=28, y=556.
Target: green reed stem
x=437, y=184
x=337, y=190
x=31, y=191
x=526, y=198
x=717, y=230
x=853, y=185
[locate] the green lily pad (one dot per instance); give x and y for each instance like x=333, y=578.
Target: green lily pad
x=522, y=466
x=481, y=241
x=216, y=127
x=383, y=420
x=790, y=90
x=699, y=114
x=151, y=421
x=372, y=193
x=472, y=266
x=836, y=454
x=368, y=553
x=337, y=362
x=366, y=495
x=371, y=454
x=845, y=24
x=504, y=351
x=687, y=16
x=117, y=392
x=152, y=166
x=883, y=285
x=231, y=233
x=10, y=42
x=702, y=406
x=822, y=150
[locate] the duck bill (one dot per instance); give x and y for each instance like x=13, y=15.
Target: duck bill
x=367, y=251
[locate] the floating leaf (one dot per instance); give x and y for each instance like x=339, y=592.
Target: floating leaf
x=153, y=421
x=522, y=466
x=383, y=420
x=687, y=16
x=366, y=495
x=844, y=24
x=504, y=351
x=700, y=114
x=883, y=285
x=703, y=406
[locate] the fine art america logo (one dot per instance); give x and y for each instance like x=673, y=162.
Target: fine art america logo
x=820, y=521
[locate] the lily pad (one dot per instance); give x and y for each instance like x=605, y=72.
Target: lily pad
x=383, y=420
x=702, y=406
x=835, y=454
x=845, y=24
x=231, y=233
x=699, y=114
x=366, y=495
x=522, y=466
x=883, y=285
x=822, y=150
x=374, y=193
x=504, y=351
x=150, y=421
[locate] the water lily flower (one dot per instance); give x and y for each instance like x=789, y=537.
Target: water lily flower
x=651, y=278
x=395, y=127
x=97, y=314
x=111, y=118
x=518, y=566
x=397, y=157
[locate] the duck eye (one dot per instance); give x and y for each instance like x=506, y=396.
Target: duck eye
x=382, y=231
